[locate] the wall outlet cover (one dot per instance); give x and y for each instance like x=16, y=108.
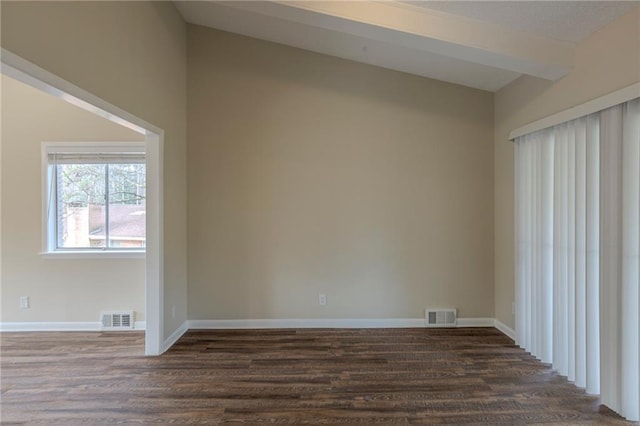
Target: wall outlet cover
x=24, y=302
x=322, y=299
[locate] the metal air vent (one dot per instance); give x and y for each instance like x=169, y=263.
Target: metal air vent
x=117, y=320
x=440, y=318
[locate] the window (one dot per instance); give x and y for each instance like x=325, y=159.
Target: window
x=95, y=197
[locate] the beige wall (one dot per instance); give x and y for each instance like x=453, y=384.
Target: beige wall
x=604, y=62
x=59, y=289
x=133, y=55
x=310, y=174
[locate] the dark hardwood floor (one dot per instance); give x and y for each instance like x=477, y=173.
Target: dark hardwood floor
x=374, y=376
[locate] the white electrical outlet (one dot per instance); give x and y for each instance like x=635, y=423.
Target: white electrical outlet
x=24, y=302
x=322, y=299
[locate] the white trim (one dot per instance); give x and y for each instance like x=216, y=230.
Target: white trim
x=59, y=326
x=154, y=307
x=307, y=323
x=475, y=322
x=506, y=330
x=39, y=78
x=93, y=254
x=29, y=73
x=329, y=323
x=175, y=336
x=92, y=146
x=46, y=177
x=49, y=326
x=603, y=102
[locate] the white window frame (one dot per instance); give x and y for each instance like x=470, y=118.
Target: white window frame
x=49, y=237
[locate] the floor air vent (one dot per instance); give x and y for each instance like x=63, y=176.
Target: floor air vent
x=117, y=320
x=440, y=318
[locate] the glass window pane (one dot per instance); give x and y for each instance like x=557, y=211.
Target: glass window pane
x=127, y=206
x=81, y=205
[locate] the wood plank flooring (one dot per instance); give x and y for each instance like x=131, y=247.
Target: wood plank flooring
x=372, y=376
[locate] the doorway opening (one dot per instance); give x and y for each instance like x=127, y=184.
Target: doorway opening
x=152, y=138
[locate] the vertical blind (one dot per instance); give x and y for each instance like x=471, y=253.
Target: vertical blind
x=577, y=245
x=620, y=265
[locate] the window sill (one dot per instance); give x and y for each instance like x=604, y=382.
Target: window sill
x=94, y=254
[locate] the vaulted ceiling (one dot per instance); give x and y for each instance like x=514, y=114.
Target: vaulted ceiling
x=480, y=44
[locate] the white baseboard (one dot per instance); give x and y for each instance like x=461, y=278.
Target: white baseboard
x=307, y=323
x=475, y=322
x=60, y=326
x=508, y=331
x=329, y=323
x=177, y=334
x=50, y=326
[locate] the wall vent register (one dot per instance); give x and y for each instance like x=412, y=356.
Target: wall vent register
x=440, y=318
x=117, y=320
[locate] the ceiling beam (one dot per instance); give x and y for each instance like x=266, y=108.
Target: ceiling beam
x=429, y=31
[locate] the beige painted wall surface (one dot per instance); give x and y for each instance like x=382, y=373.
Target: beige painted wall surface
x=606, y=61
x=59, y=289
x=133, y=55
x=310, y=174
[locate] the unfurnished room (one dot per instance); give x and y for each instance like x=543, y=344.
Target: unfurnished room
x=320, y=212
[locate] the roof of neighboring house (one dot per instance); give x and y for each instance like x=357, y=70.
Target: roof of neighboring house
x=125, y=220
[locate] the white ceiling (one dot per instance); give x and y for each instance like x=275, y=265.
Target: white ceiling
x=479, y=44
x=569, y=21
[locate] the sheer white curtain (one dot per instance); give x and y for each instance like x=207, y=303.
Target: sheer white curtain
x=557, y=239
x=578, y=252
x=620, y=264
